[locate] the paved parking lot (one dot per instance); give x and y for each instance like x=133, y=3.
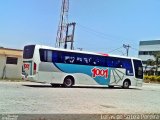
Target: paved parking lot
x=28, y=97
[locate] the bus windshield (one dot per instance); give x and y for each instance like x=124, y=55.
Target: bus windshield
x=28, y=51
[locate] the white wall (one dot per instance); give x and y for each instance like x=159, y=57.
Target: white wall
x=146, y=57
x=149, y=47
x=2, y=64
x=11, y=71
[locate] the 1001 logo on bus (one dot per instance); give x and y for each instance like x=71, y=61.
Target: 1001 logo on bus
x=99, y=72
x=26, y=66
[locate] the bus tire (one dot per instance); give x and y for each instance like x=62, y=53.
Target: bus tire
x=126, y=84
x=68, y=81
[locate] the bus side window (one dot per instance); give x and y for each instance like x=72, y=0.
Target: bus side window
x=100, y=61
x=84, y=59
x=97, y=62
x=128, y=66
x=60, y=57
x=49, y=56
x=92, y=60
x=41, y=52
x=118, y=63
x=54, y=56
x=72, y=60
x=67, y=59
x=109, y=61
x=45, y=55
x=79, y=60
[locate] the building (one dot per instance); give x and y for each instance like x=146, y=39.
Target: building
x=10, y=63
x=146, y=51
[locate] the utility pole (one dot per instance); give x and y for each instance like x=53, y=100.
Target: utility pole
x=127, y=48
x=70, y=36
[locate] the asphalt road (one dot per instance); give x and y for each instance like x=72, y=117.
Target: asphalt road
x=36, y=98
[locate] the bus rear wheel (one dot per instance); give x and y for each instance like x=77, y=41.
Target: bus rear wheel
x=126, y=84
x=68, y=81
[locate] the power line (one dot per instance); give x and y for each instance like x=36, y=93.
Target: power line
x=127, y=48
x=96, y=33
x=121, y=52
x=134, y=49
x=115, y=49
x=104, y=35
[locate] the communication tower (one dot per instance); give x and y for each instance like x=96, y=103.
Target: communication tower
x=63, y=33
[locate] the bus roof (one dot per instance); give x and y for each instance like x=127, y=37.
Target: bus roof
x=86, y=52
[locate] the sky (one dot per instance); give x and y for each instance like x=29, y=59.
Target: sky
x=101, y=25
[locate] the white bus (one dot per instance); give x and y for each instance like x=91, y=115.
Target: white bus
x=72, y=67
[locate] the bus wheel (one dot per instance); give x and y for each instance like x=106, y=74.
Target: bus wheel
x=68, y=81
x=126, y=84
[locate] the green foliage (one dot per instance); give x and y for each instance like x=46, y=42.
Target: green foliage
x=152, y=79
x=158, y=79
x=154, y=63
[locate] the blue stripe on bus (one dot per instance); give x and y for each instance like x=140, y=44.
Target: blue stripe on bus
x=70, y=68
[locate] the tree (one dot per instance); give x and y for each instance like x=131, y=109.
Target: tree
x=156, y=56
x=150, y=63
